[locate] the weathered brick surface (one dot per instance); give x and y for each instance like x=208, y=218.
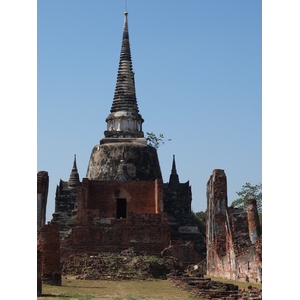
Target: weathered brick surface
x=48, y=244
x=145, y=226
x=230, y=252
x=253, y=219
x=39, y=273
x=184, y=251
x=216, y=237
x=42, y=194
x=99, y=198
x=143, y=232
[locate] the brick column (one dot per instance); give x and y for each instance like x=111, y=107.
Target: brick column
x=253, y=220
x=49, y=245
x=42, y=194
x=216, y=192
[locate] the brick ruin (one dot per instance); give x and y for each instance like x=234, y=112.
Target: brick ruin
x=123, y=203
x=185, y=232
x=42, y=195
x=66, y=200
x=233, y=236
x=48, y=243
x=114, y=215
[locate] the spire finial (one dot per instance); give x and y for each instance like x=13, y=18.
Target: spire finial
x=125, y=18
x=74, y=163
x=174, y=166
x=74, y=176
x=174, y=179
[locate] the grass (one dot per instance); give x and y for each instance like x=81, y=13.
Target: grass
x=238, y=283
x=72, y=289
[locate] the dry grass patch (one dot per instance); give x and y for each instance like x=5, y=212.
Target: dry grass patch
x=72, y=289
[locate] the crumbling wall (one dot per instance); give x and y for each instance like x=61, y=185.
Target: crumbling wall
x=232, y=252
x=145, y=227
x=42, y=194
x=184, y=251
x=49, y=245
x=145, y=232
x=39, y=273
x=65, y=203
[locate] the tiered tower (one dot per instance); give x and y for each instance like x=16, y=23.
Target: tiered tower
x=124, y=145
x=124, y=120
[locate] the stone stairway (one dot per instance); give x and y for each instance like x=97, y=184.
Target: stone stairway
x=213, y=290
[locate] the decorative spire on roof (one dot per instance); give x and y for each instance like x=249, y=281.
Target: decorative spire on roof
x=124, y=121
x=174, y=179
x=74, y=176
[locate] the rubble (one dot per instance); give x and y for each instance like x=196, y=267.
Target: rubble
x=214, y=290
x=120, y=266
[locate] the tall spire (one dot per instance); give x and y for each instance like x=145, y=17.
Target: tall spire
x=124, y=121
x=174, y=179
x=125, y=97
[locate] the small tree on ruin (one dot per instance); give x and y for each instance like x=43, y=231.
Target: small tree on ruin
x=155, y=141
x=249, y=191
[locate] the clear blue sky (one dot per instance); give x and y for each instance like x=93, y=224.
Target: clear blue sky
x=198, y=75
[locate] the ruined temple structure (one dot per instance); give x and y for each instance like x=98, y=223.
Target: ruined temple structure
x=66, y=200
x=233, y=236
x=48, y=241
x=123, y=202
x=42, y=195
x=177, y=205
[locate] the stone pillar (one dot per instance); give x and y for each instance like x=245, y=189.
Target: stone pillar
x=42, y=194
x=39, y=273
x=216, y=216
x=253, y=220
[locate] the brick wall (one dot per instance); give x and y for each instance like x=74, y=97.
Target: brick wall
x=185, y=252
x=144, y=232
x=99, y=198
x=49, y=245
x=145, y=227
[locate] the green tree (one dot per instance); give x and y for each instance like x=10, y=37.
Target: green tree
x=154, y=140
x=200, y=218
x=249, y=191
